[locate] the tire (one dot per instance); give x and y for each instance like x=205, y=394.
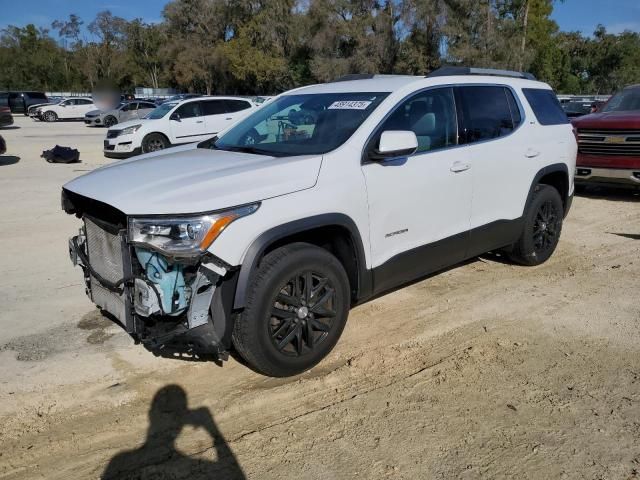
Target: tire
x=50, y=116
x=154, y=142
x=110, y=121
x=542, y=227
x=283, y=332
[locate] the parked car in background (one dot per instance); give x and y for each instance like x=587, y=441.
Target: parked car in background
x=20, y=101
x=34, y=110
x=5, y=116
x=609, y=142
x=68, y=109
x=181, y=96
x=137, y=109
x=267, y=246
x=175, y=123
x=577, y=109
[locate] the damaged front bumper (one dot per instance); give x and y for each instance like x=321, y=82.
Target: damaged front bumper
x=172, y=307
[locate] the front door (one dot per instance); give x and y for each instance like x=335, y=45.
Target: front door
x=187, y=123
x=420, y=205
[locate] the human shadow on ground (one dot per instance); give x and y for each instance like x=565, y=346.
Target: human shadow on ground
x=159, y=458
x=8, y=160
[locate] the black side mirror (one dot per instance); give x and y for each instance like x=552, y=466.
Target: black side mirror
x=175, y=116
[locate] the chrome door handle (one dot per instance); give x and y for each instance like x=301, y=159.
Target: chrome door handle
x=458, y=167
x=531, y=153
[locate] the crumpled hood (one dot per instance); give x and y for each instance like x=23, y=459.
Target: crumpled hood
x=189, y=180
x=609, y=120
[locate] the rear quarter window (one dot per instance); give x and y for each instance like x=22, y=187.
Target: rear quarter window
x=545, y=106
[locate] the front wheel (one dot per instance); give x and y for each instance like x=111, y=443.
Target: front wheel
x=110, y=121
x=297, y=306
x=154, y=142
x=50, y=116
x=542, y=227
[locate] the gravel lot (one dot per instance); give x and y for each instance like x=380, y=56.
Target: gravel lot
x=488, y=370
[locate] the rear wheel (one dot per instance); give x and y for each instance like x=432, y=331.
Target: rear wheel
x=110, y=121
x=542, y=227
x=154, y=142
x=50, y=116
x=297, y=306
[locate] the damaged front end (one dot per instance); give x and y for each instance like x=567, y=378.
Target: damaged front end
x=155, y=276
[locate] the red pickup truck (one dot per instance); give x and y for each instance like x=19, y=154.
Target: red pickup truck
x=609, y=142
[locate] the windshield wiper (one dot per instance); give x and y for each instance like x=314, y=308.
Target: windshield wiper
x=245, y=149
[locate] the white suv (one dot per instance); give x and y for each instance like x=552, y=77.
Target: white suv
x=175, y=123
x=344, y=191
x=68, y=109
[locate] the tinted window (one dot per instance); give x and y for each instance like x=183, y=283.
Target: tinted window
x=624, y=101
x=146, y=105
x=431, y=115
x=513, y=107
x=213, y=107
x=486, y=113
x=128, y=106
x=236, y=105
x=545, y=106
x=83, y=101
x=39, y=95
x=189, y=110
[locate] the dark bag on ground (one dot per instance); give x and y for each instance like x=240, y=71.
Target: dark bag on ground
x=60, y=154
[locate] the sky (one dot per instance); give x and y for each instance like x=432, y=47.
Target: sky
x=583, y=15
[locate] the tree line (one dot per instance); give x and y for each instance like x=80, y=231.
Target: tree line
x=268, y=46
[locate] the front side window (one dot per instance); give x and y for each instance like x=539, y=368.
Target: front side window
x=486, y=113
x=625, y=101
x=545, y=106
x=301, y=124
x=431, y=115
x=189, y=110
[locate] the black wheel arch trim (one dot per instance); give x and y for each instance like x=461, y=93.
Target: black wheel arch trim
x=261, y=244
x=555, y=167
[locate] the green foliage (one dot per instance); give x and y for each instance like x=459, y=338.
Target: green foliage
x=267, y=46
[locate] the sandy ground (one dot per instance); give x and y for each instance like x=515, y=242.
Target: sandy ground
x=488, y=370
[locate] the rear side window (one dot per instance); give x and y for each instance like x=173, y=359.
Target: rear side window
x=487, y=113
x=213, y=107
x=38, y=95
x=236, y=105
x=546, y=106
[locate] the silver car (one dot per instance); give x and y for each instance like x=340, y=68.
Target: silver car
x=123, y=112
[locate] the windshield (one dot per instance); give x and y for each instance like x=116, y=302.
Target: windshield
x=161, y=111
x=301, y=124
x=624, y=101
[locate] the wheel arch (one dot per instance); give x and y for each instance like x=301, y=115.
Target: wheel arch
x=335, y=232
x=556, y=176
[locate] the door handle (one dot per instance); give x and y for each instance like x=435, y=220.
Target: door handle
x=458, y=167
x=229, y=118
x=531, y=153
x=200, y=121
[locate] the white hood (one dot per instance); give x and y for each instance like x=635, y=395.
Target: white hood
x=191, y=180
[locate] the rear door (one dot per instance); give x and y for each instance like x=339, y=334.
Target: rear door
x=502, y=157
x=215, y=114
x=237, y=109
x=144, y=108
x=187, y=123
x=83, y=106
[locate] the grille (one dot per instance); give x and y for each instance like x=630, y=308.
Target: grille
x=105, y=257
x=113, y=133
x=609, y=142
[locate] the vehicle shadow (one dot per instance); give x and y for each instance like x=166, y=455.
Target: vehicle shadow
x=632, y=236
x=159, y=458
x=609, y=193
x=10, y=127
x=8, y=160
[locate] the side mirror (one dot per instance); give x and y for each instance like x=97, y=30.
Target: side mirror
x=395, y=143
x=175, y=116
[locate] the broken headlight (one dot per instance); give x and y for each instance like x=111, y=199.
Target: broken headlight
x=184, y=235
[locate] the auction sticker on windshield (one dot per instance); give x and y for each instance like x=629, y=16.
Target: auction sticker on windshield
x=349, y=105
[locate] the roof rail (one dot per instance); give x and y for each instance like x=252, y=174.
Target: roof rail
x=365, y=76
x=454, y=71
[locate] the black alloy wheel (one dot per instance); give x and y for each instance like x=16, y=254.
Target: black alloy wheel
x=546, y=227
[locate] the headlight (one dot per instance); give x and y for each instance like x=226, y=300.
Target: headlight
x=184, y=236
x=130, y=130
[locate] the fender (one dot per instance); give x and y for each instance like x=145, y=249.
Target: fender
x=555, y=167
x=258, y=247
